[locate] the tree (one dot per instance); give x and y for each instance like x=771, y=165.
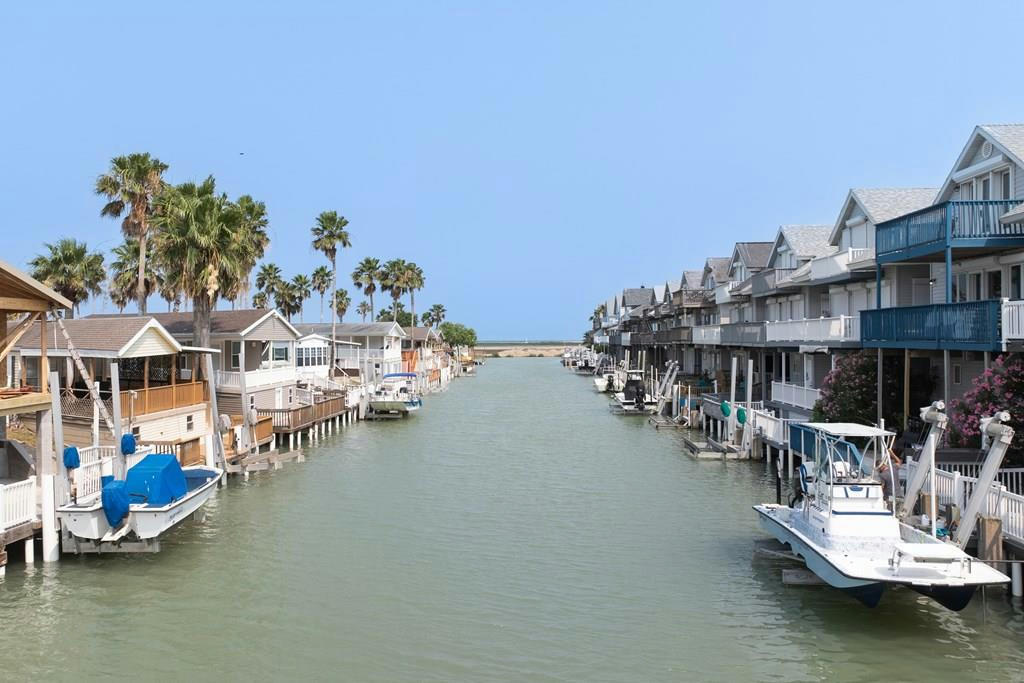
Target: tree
x=456, y=334
x=366, y=277
x=261, y=300
x=364, y=309
x=287, y=298
x=393, y=280
x=341, y=303
x=199, y=247
x=131, y=186
x=253, y=231
x=402, y=316
x=414, y=280
x=71, y=270
x=302, y=287
x=124, y=273
x=329, y=235
x=849, y=392
x=321, y=285
x=268, y=277
x=436, y=313
x=999, y=387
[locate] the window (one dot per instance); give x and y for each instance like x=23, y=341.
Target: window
x=1004, y=182
x=986, y=192
x=280, y=352
x=995, y=284
x=956, y=373
x=1015, y=279
x=975, y=287
x=189, y=423
x=967, y=190
x=135, y=431
x=234, y=355
x=960, y=287
x=252, y=401
x=291, y=396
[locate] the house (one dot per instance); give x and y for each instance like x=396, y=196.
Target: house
x=26, y=471
x=161, y=398
x=948, y=275
x=369, y=350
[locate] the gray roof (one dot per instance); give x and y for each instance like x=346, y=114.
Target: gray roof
x=719, y=266
x=349, y=329
x=692, y=279
x=754, y=254
x=808, y=241
x=885, y=203
x=1009, y=135
x=87, y=334
x=636, y=296
x=179, y=324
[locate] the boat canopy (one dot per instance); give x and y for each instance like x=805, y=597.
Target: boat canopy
x=399, y=374
x=851, y=429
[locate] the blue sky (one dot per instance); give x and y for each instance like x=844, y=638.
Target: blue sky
x=532, y=158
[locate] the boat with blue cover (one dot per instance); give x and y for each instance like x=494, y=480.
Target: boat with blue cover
x=156, y=494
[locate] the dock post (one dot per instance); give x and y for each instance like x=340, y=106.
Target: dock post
x=990, y=540
x=3, y=561
x=789, y=461
x=30, y=551
x=1017, y=585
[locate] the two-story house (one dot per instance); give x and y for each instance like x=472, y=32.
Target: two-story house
x=365, y=350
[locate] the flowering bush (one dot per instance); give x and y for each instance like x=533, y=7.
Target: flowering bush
x=849, y=392
x=1000, y=387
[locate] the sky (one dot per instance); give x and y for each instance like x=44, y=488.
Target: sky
x=533, y=158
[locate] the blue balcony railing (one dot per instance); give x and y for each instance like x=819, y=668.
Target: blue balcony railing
x=965, y=326
x=956, y=224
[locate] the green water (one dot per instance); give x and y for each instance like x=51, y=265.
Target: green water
x=513, y=530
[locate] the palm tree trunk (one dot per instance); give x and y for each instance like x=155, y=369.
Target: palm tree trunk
x=321, y=307
x=201, y=320
x=371, y=307
x=140, y=287
x=334, y=316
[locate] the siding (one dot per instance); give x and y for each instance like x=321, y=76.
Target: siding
x=174, y=427
x=272, y=329
x=151, y=343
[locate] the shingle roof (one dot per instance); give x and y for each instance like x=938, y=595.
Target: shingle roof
x=1009, y=135
x=885, y=203
x=719, y=266
x=808, y=241
x=659, y=293
x=87, y=334
x=636, y=296
x=755, y=254
x=692, y=279
x=348, y=329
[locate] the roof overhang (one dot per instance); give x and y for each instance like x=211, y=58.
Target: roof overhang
x=271, y=313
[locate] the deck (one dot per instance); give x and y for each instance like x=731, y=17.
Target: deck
x=290, y=420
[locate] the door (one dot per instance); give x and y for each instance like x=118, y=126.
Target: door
x=921, y=291
x=279, y=398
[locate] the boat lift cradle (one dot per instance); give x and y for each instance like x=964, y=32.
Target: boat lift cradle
x=996, y=435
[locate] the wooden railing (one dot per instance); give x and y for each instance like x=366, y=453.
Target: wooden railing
x=294, y=419
x=157, y=399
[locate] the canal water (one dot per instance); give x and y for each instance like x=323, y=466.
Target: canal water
x=514, y=530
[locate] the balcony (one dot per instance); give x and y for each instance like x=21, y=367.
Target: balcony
x=743, y=334
x=794, y=395
x=955, y=224
x=156, y=399
x=643, y=338
x=725, y=293
x=767, y=280
x=836, y=266
x=844, y=329
x=707, y=334
x=600, y=338
x=231, y=379
x=964, y=326
x=675, y=335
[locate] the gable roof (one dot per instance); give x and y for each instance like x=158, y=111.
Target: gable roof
x=718, y=266
x=636, y=296
x=16, y=284
x=99, y=336
x=232, y=322
x=1008, y=138
x=692, y=279
x=881, y=204
x=806, y=241
x=754, y=256
x=378, y=329
x=421, y=333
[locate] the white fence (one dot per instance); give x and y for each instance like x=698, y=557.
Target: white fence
x=844, y=328
x=1013, y=321
x=772, y=428
x=707, y=334
x=17, y=503
x=231, y=379
x=1011, y=477
x=791, y=394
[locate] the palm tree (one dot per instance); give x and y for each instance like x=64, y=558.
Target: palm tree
x=124, y=272
x=341, y=303
x=436, y=313
x=414, y=280
x=287, y=298
x=268, y=277
x=70, y=269
x=329, y=234
x=131, y=186
x=260, y=300
x=301, y=288
x=393, y=280
x=366, y=277
x=364, y=309
x=321, y=284
x=253, y=216
x=200, y=247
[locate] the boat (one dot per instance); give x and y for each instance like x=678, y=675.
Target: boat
x=604, y=382
x=396, y=394
x=156, y=494
x=842, y=526
x=633, y=399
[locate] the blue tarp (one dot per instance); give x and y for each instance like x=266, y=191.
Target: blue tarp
x=71, y=459
x=156, y=480
x=399, y=374
x=115, y=501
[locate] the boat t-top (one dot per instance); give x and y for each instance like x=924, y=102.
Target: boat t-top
x=396, y=394
x=633, y=399
x=847, y=532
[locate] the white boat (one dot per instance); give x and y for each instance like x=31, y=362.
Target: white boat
x=156, y=495
x=396, y=394
x=604, y=382
x=844, y=529
x=633, y=399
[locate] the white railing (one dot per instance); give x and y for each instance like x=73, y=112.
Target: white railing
x=723, y=292
x=17, y=503
x=773, y=428
x=625, y=339
x=354, y=353
x=794, y=395
x=304, y=396
x=707, y=334
x=231, y=379
x=1013, y=320
x=844, y=328
x=1011, y=477
x=600, y=338
x=861, y=256
x=97, y=462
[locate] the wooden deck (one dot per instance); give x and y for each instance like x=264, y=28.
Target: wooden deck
x=31, y=402
x=289, y=420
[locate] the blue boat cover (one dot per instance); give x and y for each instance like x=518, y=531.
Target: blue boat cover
x=399, y=374
x=71, y=459
x=127, y=444
x=115, y=501
x=157, y=480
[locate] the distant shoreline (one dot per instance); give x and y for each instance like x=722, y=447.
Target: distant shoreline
x=520, y=350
